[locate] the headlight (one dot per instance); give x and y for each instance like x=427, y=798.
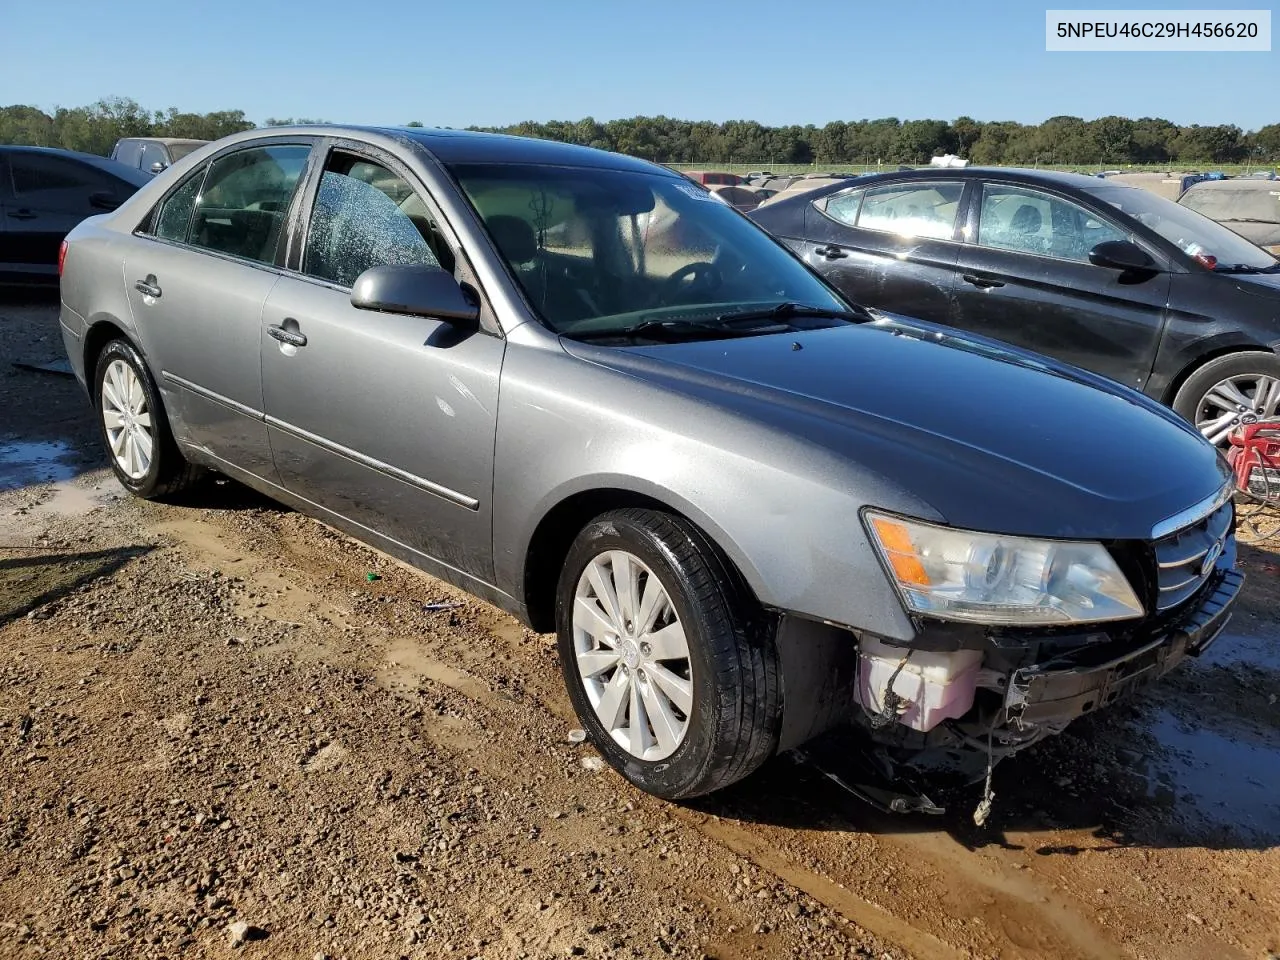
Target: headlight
x=989, y=578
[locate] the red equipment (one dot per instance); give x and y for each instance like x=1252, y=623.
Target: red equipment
x=1255, y=459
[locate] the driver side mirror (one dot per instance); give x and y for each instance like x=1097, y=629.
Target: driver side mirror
x=1122, y=255
x=416, y=290
x=158, y=166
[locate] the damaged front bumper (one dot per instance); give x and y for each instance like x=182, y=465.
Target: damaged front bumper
x=1061, y=690
x=1032, y=684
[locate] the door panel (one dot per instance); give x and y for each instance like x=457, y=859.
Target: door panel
x=50, y=195
x=890, y=247
x=201, y=337
x=387, y=420
x=1027, y=280
x=198, y=299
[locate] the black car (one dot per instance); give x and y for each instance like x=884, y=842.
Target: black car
x=43, y=194
x=1111, y=278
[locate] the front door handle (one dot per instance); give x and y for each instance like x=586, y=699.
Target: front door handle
x=830, y=253
x=148, y=287
x=982, y=283
x=293, y=338
x=23, y=214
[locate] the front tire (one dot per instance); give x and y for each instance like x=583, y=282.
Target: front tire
x=669, y=662
x=1229, y=391
x=133, y=426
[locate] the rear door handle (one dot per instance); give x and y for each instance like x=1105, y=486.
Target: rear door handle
x=982, y=283
x=148, y=287
x=830, y=253
x=292, y=337
x=23, y=215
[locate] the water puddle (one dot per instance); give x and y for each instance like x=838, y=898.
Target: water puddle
x=1229, y=779
x=25, y=464
x=1235, y=649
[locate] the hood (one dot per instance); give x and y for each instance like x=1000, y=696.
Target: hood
x=992, y=437
x=1266, y=285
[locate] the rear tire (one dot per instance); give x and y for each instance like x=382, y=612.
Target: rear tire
x=134, y=428
x=685, y=649
x=1228, y=391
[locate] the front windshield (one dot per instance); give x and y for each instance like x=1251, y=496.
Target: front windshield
x=1232, y=203
x=1196, y=235
x=600, y=250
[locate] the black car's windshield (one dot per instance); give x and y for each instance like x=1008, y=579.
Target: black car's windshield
x=1194, y=234
x=597, y=251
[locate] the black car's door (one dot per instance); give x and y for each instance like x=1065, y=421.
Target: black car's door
x=891, y=246
x=50, y=194
x=1025, y=278
x=7, y=254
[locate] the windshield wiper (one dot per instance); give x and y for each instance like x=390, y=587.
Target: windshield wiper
x=1247, y=220
x=741, y=323
x=1245, y=268
x=673, y=330
x=789, y=310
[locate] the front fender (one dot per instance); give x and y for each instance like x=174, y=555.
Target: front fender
x=785, y=511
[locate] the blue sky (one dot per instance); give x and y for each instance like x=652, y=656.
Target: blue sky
x=500, y=61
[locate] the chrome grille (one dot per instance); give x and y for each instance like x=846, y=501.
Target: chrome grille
x=1186, y=558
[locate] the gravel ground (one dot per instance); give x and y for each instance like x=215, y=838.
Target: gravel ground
x=224, y=736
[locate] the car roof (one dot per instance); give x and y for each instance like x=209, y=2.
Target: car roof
x=473, y=146
x=1022, y=174
x=167, y=141
x=1044, y=178
x=118, y=170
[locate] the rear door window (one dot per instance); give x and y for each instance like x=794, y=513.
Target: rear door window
x=246, y=197
x=174, y=218
x=52, y=183
x=843, y=207
x=912, y=209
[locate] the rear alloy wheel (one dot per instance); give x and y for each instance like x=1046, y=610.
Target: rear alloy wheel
x=1231, y=391
x=134, y=429
x=127, y=420
x=669, y=662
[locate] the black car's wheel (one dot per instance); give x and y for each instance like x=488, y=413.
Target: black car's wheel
x=1231, y=390
x=134, y=430
x=671, y=668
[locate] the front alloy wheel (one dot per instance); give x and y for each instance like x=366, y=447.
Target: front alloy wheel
x=1247, y=398
x=1229, y=392
x=632, y=655
x=669, y=661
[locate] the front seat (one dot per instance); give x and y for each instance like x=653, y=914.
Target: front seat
x=515, y=239
x=1024, y=229
x=518, y=244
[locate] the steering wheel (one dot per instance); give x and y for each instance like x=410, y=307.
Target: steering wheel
x=692, y=276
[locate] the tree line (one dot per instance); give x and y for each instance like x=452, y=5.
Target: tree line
x=1058, y=141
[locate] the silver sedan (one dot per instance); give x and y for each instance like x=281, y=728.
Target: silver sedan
x=576, y=385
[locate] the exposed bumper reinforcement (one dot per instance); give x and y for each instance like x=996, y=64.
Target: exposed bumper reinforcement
x=1056, y=695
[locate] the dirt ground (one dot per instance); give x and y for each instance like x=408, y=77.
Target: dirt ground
x=212, y=716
